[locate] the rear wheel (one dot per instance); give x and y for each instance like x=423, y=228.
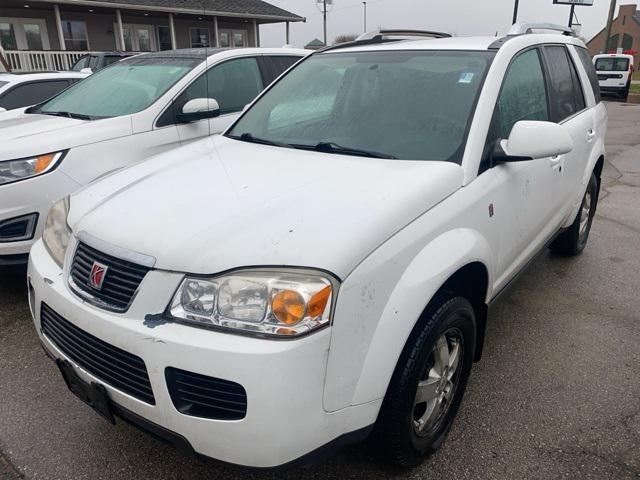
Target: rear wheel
x=574, y=239
x=428, y=384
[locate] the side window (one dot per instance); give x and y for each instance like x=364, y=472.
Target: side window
x=562, y=95
x=578, y=93
x=591, y=71
x=233, y=84
x=31, y=93
x=523, y=95
x=277, y=66
x=83, y=62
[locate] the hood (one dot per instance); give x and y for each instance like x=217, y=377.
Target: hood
x=219, y=204
x=25, y=134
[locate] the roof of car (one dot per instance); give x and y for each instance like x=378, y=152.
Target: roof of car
x=20, y=77
x=203, y=53
x=478, y=43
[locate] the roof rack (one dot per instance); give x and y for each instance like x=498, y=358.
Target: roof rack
x=374, y=34
x=525, y=28
x=386, y=35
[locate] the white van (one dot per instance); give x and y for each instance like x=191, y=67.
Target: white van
x=614, y=73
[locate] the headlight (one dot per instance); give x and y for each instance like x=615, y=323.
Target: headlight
x=56, y=231
x=14, y=170
x=282, y=303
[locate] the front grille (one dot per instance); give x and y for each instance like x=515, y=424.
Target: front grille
x=19, y=228
x=206, y=397
x=120, y=369
x=120, y=282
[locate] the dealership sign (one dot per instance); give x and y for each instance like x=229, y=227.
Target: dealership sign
x=587, y=3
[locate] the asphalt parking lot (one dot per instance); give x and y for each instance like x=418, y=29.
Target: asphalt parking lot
x=557, y=394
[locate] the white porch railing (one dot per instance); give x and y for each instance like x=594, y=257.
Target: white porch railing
x=38, y=60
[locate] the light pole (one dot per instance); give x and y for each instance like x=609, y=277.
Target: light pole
x=612, y=11
x=365, y=16
x=324, y=19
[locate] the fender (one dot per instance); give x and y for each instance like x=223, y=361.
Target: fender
x=597, y=152
x=377, y=317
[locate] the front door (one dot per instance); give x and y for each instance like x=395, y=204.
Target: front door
x=233, y=38
x=232, y=83
x=528, y=188
x=138, y=38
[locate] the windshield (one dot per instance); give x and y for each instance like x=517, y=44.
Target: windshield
x=124, y=88
x=612, y=64
x=412, y=105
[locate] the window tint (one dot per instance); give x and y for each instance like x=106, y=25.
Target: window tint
x=612, y=64
x=233, y=84
x=31, y=93
x=591, y=71
x=523, y=95
x=577, y=86
x=276, y=66
x=562, y=94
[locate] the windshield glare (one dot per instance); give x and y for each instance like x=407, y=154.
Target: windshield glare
x=412, y=105
x=612, y=64
x=124, y=88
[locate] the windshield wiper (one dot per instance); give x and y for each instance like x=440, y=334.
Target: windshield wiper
x=331, y=147
x=77, y=116
x=248, y=137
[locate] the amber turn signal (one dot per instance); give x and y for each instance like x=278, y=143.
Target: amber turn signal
x=318, y=302
x=43, y=162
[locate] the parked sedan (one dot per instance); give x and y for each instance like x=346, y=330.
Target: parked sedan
x=137, y=107
x=23, y=89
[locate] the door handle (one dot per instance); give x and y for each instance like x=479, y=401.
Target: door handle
x=555, y=162
x=591, y=133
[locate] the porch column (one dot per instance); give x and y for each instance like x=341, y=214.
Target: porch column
x=216, y=39
x=120, y=30
x=56, y=11
x=172, y=30
x=256, y=33
x=288, y=42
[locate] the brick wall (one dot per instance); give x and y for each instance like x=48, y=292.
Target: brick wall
x=625, y=23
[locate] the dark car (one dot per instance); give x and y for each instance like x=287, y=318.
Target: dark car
x=97, y=61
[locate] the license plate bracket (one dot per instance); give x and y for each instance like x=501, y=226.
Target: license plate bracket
x=93, y=394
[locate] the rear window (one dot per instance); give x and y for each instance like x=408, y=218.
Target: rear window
x=612, y=64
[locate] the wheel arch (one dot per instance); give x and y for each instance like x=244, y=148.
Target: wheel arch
x=458, y=262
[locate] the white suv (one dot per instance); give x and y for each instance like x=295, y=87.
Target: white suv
x=131, y=110
x=327, y=264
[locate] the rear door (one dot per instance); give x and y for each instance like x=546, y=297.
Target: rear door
x=613, y=72
x=568, y=108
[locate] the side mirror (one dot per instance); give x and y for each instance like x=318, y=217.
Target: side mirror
x=86, y=70
x=198, y=109
x=530, y=140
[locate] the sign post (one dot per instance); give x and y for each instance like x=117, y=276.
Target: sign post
x=573, y=3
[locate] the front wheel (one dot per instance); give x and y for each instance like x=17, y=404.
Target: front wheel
x=425, y=392
x=573, y=240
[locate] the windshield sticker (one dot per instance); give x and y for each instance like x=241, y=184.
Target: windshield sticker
x=466, y=77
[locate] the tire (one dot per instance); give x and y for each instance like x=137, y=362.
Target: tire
x=409, y=429
x=573, y=240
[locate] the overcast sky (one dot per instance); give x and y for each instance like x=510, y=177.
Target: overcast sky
x=460, y=17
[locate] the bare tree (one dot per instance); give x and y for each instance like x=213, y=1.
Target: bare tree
x=345, y=38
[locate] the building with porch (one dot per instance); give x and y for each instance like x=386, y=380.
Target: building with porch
x=52, y=34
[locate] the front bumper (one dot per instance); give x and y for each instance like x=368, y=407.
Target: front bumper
x=34, y=195
x=284, y=380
